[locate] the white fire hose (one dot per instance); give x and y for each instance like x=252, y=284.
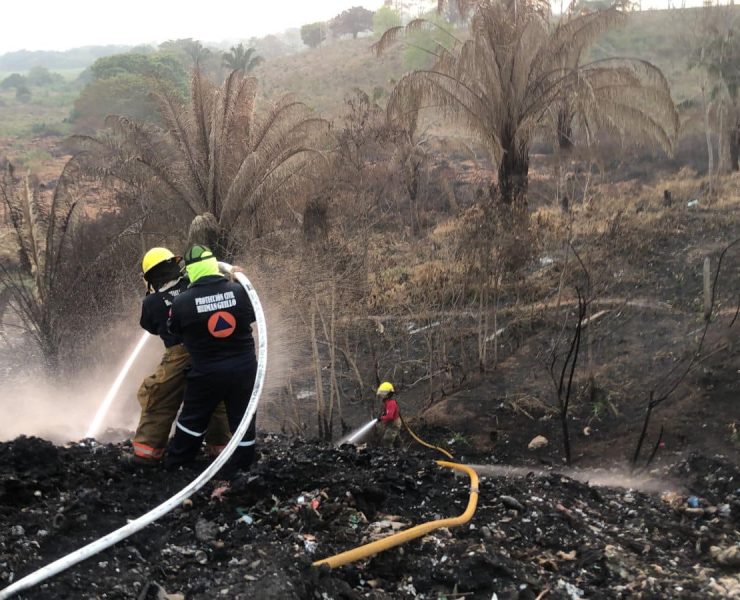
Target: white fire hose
x=137, y=525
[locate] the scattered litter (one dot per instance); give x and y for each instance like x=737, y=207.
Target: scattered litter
x=220, y=491
x=727, y=557
x=549, y=534
x=17, y=531
x=495, y=334
x=414, y=330
x=205, y=531
x=574, y=593
x=595, y=317
x=538, y=442
x=671, y=498
x=244, y=516
x=310, y=543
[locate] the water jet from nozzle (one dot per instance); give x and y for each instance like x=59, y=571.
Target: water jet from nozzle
x=358, y=434
x=92, y=430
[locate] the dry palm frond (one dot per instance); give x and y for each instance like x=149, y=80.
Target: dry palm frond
x=574, y=33
x=394, y=34
x=216, y=155
x=627, y=97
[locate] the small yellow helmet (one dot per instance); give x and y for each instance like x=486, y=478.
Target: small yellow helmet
x=385, y=389
x=154, y=257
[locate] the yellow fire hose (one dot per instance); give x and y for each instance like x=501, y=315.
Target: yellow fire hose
x=417, y=531
x=422, y=442
x=407, y=535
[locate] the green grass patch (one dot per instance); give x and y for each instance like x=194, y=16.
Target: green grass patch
x=34, y=159
x=45, y=114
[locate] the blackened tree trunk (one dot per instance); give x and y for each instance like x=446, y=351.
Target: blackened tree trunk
x=735, y=148
x=513, y=173
x=565, y=129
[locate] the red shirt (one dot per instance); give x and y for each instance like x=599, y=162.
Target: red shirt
x=390, y=411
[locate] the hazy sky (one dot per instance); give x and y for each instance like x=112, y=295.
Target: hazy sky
x=63, y=24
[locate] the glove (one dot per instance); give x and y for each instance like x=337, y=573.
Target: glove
x=234, y=271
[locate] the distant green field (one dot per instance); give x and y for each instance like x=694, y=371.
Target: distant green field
x=44, y=115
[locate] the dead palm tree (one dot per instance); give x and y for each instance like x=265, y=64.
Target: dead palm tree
x=518, y=72
x=215, y=155
x=241, y=58
x=42, y=231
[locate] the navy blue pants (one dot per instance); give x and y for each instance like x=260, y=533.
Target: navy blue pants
x=203, y=392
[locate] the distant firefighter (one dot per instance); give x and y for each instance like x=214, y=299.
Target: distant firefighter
x=389, y=421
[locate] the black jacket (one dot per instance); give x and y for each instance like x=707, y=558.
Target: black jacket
x=213, y=317
x=156, y=308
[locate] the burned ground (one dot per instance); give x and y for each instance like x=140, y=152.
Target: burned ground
x=539, y=536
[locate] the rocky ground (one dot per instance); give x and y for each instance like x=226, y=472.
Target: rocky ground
x=534, y=537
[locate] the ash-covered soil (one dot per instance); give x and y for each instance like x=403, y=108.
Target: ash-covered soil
x=534, y=537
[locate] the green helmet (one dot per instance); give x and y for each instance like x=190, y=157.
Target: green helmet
x=197, y=253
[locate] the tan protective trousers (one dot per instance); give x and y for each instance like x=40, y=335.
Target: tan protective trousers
x=160, y=396
x=389, y=432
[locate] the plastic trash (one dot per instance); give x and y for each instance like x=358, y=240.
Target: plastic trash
x=310, y=543
x=693, y=501
x=244, y=516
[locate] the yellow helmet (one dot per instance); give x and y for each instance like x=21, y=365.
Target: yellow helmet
x=154, y=257
x=386, y=388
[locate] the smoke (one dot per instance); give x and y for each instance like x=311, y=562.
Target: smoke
x=613, y=478
x=284, y=344
x=61, y=408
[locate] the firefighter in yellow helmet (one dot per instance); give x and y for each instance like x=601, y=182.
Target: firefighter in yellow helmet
x=389, y=421
x=161, y=393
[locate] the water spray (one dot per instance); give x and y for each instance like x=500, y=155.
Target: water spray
x=104, y=407
x=168, y=505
